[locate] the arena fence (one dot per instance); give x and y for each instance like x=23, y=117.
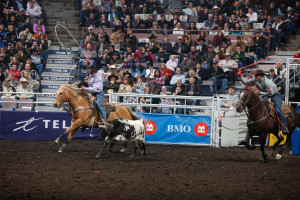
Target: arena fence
x=292, y=78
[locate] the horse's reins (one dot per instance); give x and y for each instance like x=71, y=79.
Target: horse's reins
x=63, y=105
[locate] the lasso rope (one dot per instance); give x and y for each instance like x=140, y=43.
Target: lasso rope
x=253, y=64
x=75, y=65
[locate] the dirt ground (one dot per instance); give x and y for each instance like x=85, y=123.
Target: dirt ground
x=35, y=170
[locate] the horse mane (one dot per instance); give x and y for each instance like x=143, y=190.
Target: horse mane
x=77, y=91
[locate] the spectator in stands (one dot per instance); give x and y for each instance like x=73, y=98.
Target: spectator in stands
x=140, y=86
x=260, y=44
x=143, y=55
x=232, y=21
x=292, y=20
x=218, y=39
x=13, y=82
x=217, y=75
x=209, y=55
x=270, y=34
x=176, y=76
x=33, y=84
x=249, y=51
x=101, y=45
x=201, y=72
x=165, y=28
x=3, y=62
x=24, y=90
x=27, y=33
x=239, y=56
x=159, y=77
x=33, y=10
x=25, y=24
x=153, y=45
x=239, y=42
x=153, y=86
x=187, y=64
x=32, y=73
x=269, y=20
x=248, y=30
x=22, y=16
x=228, y=66
x=2, y=76
x=192, y=28
x=172, y=63
x=110, y=5
x=161, y=55
x=137, y=70
x=37, y=59
x=192, y=89
x=252, y=16
x=162, y=21
x=281, y=28
x=164, y=110
x=166, y=73
x=178, y=84
x=39, y=23
x=178, y=30
x=21, y=56
x=296, y=55
x=209, y=24
x=125, y=86
x=278, y=81
x=103, y=23
x=191, y=74
x=190, y=10
x=237, y=29
x=86, y=42
x=180, y=48
x=91, y=34
x=7, y=90
x=231, y=98
x=15, y=72
x=167, y=46
x=115, y=59
x=179, y=91
x=174, y=21
x=113, y=14
x=111, y=86
x=117, y=34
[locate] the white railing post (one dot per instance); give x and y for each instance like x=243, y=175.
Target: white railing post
x=287, y=81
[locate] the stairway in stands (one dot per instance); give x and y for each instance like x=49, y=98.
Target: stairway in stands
x=61, y=67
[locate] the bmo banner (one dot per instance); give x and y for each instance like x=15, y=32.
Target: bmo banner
x=37, y=126
x=177, y=129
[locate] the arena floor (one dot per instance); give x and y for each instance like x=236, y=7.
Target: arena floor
x=34, y=170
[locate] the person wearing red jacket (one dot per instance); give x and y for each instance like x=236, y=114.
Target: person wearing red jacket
x=143, y=56
x=297, y=55
x=166, y=73
x=15, y=72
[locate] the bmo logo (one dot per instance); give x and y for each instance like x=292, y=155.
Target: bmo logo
x=201, y=129
x=150, y=127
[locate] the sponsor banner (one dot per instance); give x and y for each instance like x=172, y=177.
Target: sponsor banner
x=177, y=129
x=37, y=126
x=58, y=70
x=44, y=86
x=54, y=78
x=67, y=62
x=63, y=52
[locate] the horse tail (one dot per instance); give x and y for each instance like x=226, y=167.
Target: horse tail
x=132, y=114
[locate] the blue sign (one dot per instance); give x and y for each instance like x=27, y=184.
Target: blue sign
x=177, y=129
x=37, y=125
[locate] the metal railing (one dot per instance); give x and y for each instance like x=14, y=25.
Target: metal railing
x=293, y=78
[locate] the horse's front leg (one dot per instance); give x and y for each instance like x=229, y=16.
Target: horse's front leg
x=60, y=138
x=72, y=131
x=246, y=141
x=263, y=139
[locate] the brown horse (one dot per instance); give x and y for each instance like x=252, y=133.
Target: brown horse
x=83, y=112
x=261, y=122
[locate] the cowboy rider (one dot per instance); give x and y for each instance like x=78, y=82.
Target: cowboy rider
x=96, y=88
x=268, y=89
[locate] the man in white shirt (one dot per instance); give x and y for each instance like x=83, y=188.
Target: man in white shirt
x=252, y=16
x=33, y=10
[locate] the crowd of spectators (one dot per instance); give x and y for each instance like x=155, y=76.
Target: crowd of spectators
x=182, y=66
x=23, y=48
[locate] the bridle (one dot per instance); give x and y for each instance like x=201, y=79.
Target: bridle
x=61, y=100
x=244, y=106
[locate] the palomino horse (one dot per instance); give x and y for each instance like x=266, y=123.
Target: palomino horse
x=261, y=122
x=83, y=111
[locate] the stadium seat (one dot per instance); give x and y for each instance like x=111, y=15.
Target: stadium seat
x=27, y=105
x=11, y=104
x=205, y=90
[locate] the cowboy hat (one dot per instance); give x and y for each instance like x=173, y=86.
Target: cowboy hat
x=112, y=67
x=227, y=54
x=24, y=80
x=111, y=76
x=259, y=72
x=151, y=76
x=216, y=7
x=152, y=36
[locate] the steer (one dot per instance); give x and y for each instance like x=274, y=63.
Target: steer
x=124, y=130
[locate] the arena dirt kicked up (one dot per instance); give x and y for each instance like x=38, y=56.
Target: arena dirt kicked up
x=35, y=170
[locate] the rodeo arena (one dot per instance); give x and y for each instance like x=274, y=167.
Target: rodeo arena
x=151, y=99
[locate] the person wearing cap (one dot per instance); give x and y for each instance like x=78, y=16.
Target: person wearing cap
x=96, y=88
x=153, y=86
x=124, y=65
x=153, y=45
x=34, y=84
x=113, y=70
x=187, y=63
x=115, y=60
x=22, y=16
x=217, y=75
x=232, y=99
x=278, y=81
x=137, y=70
x=91, y=34
x=267, y=89
x=292, y=20
x=7, y=89
x=260, y=44
x=228, y=65
x=180, y=48
x=24, y=89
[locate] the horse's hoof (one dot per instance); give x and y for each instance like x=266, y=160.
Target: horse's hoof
x=278, y=157
x=56, y=141
x=60, y=151
x=252, y=147
x=97, y=157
